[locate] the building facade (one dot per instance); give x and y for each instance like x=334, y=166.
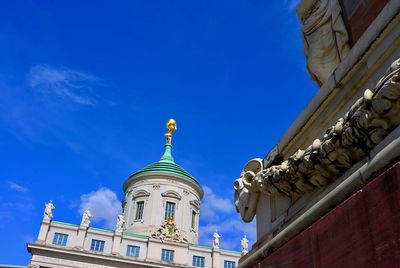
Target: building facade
x=327, y=194
x=159, y=226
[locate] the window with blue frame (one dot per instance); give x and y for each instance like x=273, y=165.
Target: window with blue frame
x=132, y=251
x=229, y=264
x=97, y=245
x=167, y=255
x=60, y=239
x=198, y=261
x=169, y=210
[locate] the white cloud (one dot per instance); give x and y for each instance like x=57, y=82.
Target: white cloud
x=17, y=187
x=213, y=205
x=104, y=206
x=65, y=83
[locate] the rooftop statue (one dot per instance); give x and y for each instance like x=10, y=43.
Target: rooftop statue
x=244, y=242
x=86, y=218
x=48, y=211
x=216, y=238
x=120, y=223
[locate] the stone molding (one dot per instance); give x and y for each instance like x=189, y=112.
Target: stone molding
x=140, y=194
x=171, y=194
x=368, y=122
x=195, y=204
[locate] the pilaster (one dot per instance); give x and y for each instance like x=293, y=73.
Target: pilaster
x=185, y=224
x=44, y=229
x=116, y=246
x=154, y=208
x=215, y=257
x=81, y=236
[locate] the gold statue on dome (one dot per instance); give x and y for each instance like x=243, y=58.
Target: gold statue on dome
x=171, y=126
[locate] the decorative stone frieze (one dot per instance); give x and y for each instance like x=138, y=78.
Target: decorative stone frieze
x=350, y=139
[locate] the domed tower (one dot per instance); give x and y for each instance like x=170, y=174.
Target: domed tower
x=160, y=192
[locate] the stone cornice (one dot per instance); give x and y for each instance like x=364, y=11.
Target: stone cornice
x=369, y=121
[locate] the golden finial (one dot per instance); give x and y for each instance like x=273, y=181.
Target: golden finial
x=171, y=126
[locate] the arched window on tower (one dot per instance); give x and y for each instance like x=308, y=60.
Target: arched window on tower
x=194, y=216
x=171, y=200
x=169, y=210
x=139, y=198
x=139, y=210
x=194, y=210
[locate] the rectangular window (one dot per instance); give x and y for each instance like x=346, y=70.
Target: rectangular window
x=167, y=255
x=169, y=210
x=229, y=264
x=139, y=210
x=97, y=245
x=198, y=261
x=194, y=219
x=60, y=239
x=132, y=251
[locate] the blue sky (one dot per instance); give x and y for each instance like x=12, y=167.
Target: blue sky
x=86, y=88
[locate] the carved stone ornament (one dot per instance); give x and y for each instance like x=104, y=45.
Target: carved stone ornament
x=168, y=231
x=349, y=140
x=325, y=38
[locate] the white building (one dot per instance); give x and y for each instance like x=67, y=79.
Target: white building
x=159, y=226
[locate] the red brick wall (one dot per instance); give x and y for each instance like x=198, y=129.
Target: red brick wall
x=363, y=231
x=359, y=14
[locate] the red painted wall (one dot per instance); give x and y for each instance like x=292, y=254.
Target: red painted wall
x=363, y=231
x=359, y=14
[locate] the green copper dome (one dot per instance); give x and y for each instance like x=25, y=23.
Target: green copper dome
x=166, y=166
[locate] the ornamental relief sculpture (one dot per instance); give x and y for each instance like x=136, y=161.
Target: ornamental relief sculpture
x=350, y=139
x=169, y=231
x=325, y=38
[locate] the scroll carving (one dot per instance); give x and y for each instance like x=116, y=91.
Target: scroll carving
x=351, y=138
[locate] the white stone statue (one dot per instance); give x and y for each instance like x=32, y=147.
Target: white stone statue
x=48, y=211
x=216, y=238
x=86, y=218
x=245, y=245
x=120, y=223
x=325, y=38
